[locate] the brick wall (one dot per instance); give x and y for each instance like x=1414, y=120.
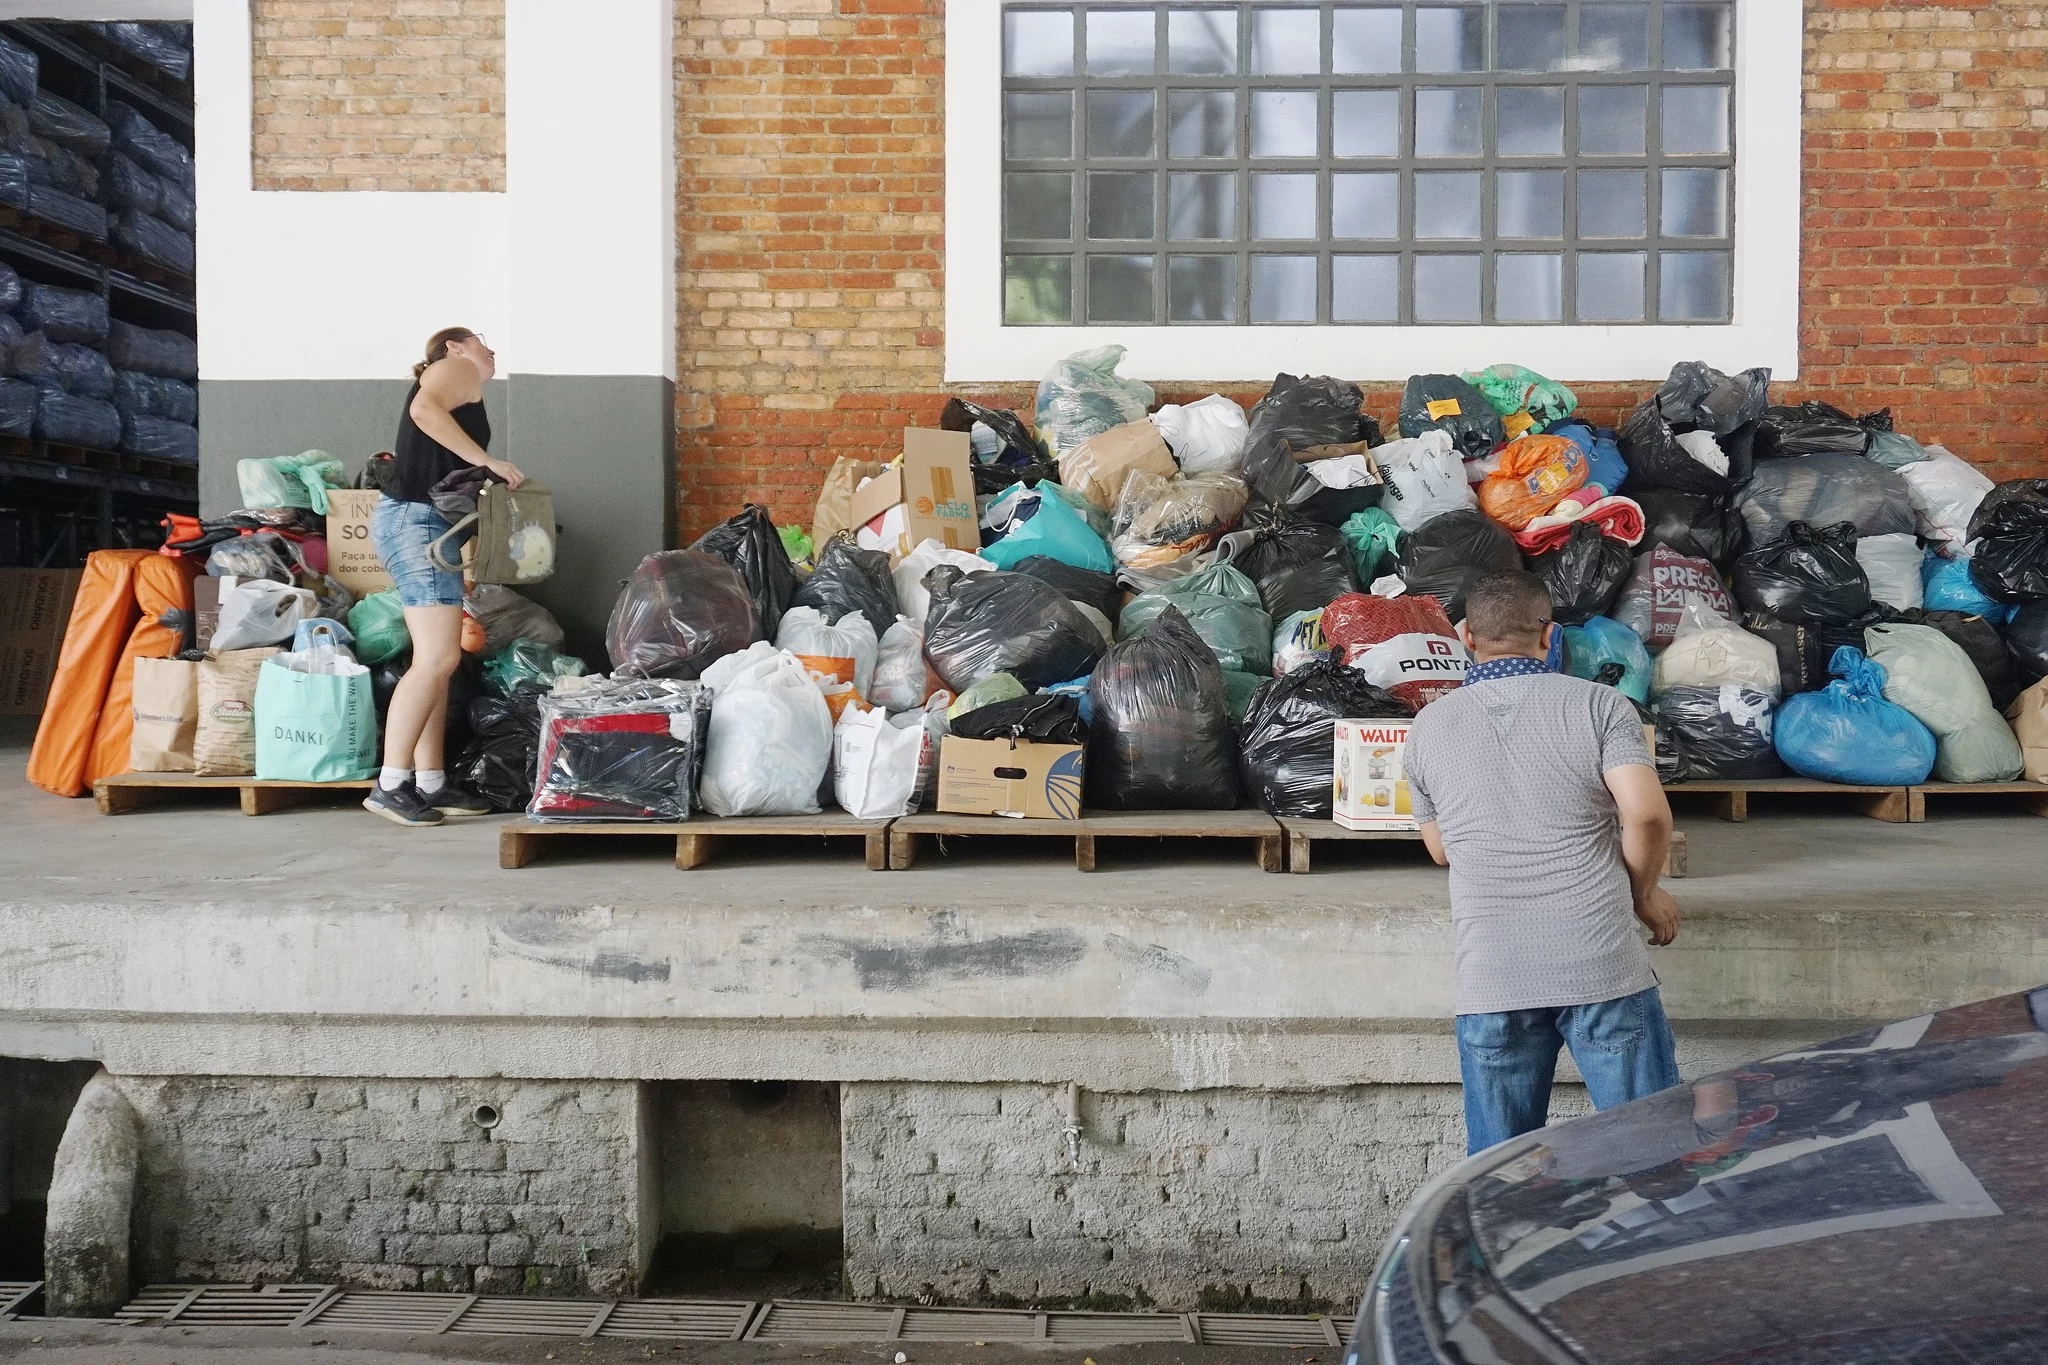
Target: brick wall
x=811, y=178
x=378, y=95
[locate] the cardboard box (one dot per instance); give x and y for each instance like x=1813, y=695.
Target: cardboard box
x=935, y=487
x=35, y=606
x=1371, y=784
x=998, y=777
x=351, y=558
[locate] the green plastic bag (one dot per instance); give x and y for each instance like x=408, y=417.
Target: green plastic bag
x=529, y=661
x=1224, y=608
x=1375, y=540
x=1512, y=389
x=378, y=623
x=796, y=544
x=1237, y=693
x=314, y=727
x=300, y=480
x=990, y=690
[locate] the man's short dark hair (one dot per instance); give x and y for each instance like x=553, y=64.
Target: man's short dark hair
x=1507, y=607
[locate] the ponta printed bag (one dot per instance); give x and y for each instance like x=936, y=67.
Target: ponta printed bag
x=1403, y=644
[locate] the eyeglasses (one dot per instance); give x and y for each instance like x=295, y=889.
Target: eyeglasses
x=478, y=337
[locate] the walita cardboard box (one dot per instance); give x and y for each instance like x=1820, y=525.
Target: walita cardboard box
x=35, y=606
x=1371, y=783
x=1001, y=777
x=351, y=558
x=930, y=496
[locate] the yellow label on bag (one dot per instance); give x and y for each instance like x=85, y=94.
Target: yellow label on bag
x=1445, y=407
x=1516, y=423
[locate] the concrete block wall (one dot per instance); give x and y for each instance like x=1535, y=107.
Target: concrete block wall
x=379, y=95
x=389, y=1183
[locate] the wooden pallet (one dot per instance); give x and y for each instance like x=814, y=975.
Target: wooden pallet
x=1731, y=799
x=1303, y=834
x=1262, y=829
x=2025, y=798
x=522, y=841
x=133, y=791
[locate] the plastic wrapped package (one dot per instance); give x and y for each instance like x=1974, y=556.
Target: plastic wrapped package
x=1653, y=600
x=913, y=599
x=1816, y=428
x=1038, y=522
x=19, y=403
x=154, y=43
x=171, y=355
x=1082, y=396
x=1809, y=575
x=1847, y=732
x=1721, y=733
x=59, y=168
x=262, y=555
x=750, y=543
x=1894, y=449
x=1892, y=564
x=152, y=239
x=1697, y=525
x=1161, y=523
x=1710, y=651
x=1288, y=755
x=1698, y=395
x=525, y=663
x=506, y=616
x=66, y=315
x=10, y=288
x=1305, y=411
x=1375, y=541
x=1944, y=492
x=1535, y=474
x=1425, y=479
x=1656, y=459
x=1602, y=644
x=1585, y=575
x=902, y=681
x=136, y=395
x=159, y=438
x=497, y=763
x=2009, y=549
x=1447, y=404
x=1222, y=606
x=849, y=578
x=1099, y=591
x=53, y=117
x=300, y=480
x=149, y=144
x=1452, y=552
x=1512, y=389
x=178, y=208
x=1822, y=490
x=1159, y=736
x=14, y=182
x=1013, y=623
x=1099, y=467
x=1206, y=437
x=70, y=420
x=770, y=740
x=62, y=365
x=20, y=69
x=2026, y=640
x=1404, y=644
x=1929, y=675
x=681, y=611
x=2001, y=661
x=619, y=749
x=843, y=650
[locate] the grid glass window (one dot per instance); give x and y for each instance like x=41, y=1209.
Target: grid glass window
x=1423, y=162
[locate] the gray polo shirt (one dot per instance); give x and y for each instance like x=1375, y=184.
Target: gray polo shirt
x=1511, y=770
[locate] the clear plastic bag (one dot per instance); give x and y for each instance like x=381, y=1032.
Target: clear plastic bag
x=529, y=663
x=65, y=315
x=680, y=611
x=1534, y=474
x=507, y=616
x=1822, y=490
x=171, y=355
x=1206, y=437
x=1162, y=523
x=987, y=623
x=1512, y=389
x=1709, y=651
x=1100, y=467
x=1288, y=758
x=1222, y=606
x=1425, y=479
x=1929, y=675
x=902, y=680
x=261, y=555
x=770, y=743
x=620, y=749
x=1159, y=734
x=1082, y=396
x=300, y=480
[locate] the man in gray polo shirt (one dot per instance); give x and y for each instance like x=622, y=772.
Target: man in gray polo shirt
x=1539, y=794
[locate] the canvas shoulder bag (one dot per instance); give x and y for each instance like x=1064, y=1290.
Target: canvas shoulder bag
x=515, y=536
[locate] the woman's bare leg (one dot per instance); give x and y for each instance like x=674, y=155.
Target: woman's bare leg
x=419, y=705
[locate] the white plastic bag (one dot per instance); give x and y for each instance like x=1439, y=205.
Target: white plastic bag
x=1207, y=437
x=320, y=647
x=806, y=633
x=1892, y=564
x=1709, y=651
x=902, y=681
x=877, y=761
x=1702, y=446
x=1346, y=471
x=911, y=598
x=1425, y=479
x=259, y=612
x=1931, y=676
x=770, y=740
x=1945, y=491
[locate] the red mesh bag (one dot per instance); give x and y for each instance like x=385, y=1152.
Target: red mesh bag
x=1404, y=644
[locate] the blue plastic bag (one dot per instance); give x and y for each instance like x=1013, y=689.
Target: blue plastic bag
x=1949, y=587
x=1604, y=464
x=1054, y=530
x=1602, y=641
x=1848, y=732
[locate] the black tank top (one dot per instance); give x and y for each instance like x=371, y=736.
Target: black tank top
x=419, y=461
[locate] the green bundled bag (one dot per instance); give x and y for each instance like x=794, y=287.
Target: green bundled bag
x=1224, y=608
x=378, y=623
x=529, y=661
x=1512, y=389
x=1375, y=540
x=300, y=480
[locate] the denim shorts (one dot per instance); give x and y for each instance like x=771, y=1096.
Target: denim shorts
x=401, y=532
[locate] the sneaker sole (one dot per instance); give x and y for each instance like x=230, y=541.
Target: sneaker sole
x=463, y=814
x=395, y=818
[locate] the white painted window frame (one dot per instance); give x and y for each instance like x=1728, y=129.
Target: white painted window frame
x=1765, y=329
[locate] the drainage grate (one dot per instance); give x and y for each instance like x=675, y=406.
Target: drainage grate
x=677, y=1320
x=944, y=1324
x=14, y=1294
x=1117, y=1329
x=395, y=1312
x=797, y=1321
x=526, y=1318
x=1248, y=1329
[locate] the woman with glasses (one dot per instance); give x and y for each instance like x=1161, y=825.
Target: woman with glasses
x=442, y=427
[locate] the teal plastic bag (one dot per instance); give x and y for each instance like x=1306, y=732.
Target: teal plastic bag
x=314, y=727
x=1512, y=389
x=1375, y=540
x=529, y=661
x=1054, y=530
x=378, y=623
x=1224, y=608
x=1238, y=689
x=1603, y=641
x=300, y=480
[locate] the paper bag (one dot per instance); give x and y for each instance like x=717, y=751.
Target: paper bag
x=166, y=716
x=1098, y=468
x=835, y=501
x=2029, y=717
x=224, y=745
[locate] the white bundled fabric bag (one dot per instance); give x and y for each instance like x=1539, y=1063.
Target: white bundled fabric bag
x=1208, y=437
x=260, y=611
x=877, y=762
x=1710, y=651
x=770, y=740
x=1892, y=564
x=911, y=598
x=1945, y=491
x=806, y=633
x=1425, y=479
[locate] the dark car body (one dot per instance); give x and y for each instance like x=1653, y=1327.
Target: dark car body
x=1879, y=1198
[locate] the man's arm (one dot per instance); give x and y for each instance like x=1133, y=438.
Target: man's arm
x=1433, y=840
x=1645, y=845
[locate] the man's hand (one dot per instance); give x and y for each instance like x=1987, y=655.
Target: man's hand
x=507, y=471
x=1659, y=914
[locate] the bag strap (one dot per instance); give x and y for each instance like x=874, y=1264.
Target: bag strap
x=434, y=550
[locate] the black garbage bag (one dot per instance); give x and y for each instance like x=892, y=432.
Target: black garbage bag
x=1294, y=561
x=1043, y=716
x=159, y=438
x=70, y=420
x=1444, y=402
x=10, y=289
x=1700, y=397
x=2000, y=661
x=1804, y=651
x=2026, y=642
x=20, y=69
x=1585, y=575
x=498, y=762
x=2012, y=490
x=1655, y=459
x=680, y=612
x=19, y=401
x=1317, y=410
x=1305, y=587
x=983, y=623
x=1817, y=428
x=465, y=688
x=149, y=144
x=1160, y=738
x=1288, y=751
x=1699, y=525
x=152, y=239
x=171, y=355
x=58, y=120
x=65, y=315
x=990, y=479
x=850, y=579
x=1722, y=733
x=1811, y=576
x=2010, y=563
x=1089, y=587
x=1821, y=490
x=1019, y=449
x=750, y=543
x=1447, y=554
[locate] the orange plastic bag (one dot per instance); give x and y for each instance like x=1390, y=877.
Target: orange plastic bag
x=162, y=584
x=1536, y=473
x=102, y=617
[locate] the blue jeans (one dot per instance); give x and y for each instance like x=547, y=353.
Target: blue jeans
x=403, y=533
x=1623, y=1049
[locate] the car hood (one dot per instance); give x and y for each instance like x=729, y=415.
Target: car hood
x=1890, y=1187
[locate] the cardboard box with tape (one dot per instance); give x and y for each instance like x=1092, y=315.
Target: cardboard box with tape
x=929, y=496
x=1001, y=777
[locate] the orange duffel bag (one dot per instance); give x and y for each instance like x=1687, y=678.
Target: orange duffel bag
x=162, y=585
x=102, y=618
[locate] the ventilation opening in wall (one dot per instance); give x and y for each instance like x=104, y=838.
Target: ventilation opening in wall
x=750, y=1189
x=36, y=1099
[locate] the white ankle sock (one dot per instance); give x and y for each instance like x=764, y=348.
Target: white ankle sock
x=391, y=779
x=430, y=780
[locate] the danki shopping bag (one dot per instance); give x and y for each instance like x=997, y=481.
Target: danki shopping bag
x=315, y=727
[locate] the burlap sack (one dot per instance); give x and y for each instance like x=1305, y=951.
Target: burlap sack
x=225, y=742
x=835, y=502
x=2029, y=717
x=1099, y=467
x=166, y=716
